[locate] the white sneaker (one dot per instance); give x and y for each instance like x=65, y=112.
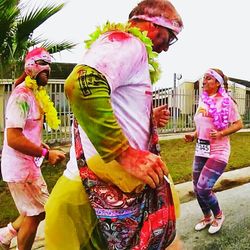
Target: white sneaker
x=203, y=223
x=216, y=224
x=6, y=235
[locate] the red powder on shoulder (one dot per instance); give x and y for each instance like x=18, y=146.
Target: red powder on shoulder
x=118, y=36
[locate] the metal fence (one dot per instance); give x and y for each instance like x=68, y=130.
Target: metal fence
x=182, y=104
x=56, y=90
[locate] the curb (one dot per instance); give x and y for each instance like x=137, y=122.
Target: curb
x=228, y=180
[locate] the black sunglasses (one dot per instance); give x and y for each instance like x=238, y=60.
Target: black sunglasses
x=42, y=62
x=172, y=37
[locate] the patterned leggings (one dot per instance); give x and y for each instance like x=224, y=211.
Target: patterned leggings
x=206, y=172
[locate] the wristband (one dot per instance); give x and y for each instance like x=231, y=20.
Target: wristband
x=45, y=151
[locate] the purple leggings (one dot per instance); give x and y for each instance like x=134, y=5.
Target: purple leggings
x=206, y=172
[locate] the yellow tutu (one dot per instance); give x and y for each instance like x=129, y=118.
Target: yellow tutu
x=70, y=221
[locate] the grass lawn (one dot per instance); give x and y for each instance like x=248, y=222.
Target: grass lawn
x=177, y=154
x=8, y=210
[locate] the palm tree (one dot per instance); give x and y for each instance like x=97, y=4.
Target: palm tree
x=16, y=33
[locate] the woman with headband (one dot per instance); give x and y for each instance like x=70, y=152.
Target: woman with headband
x=216, y=118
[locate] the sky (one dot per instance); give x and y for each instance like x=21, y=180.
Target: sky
x=216, y=34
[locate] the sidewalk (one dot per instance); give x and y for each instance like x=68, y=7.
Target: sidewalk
x=185, y=190
x=234, y=234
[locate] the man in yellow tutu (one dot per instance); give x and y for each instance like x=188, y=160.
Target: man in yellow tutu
x=120, y=199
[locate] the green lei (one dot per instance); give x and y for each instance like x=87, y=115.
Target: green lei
x=153, y=64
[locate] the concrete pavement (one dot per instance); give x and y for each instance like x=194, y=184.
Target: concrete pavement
x=185, y=190
x=234, y=233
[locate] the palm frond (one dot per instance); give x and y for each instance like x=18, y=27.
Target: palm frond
x=16, y=32
x=22, y=47
x=7, y=4
x=53, y=47
x=8, y=15
x=34, y=19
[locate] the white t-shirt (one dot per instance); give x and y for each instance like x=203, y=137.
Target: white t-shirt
x=23, y=112
x=220, y=148
x=122, y=59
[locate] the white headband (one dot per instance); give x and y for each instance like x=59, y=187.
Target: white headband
x=162, y=21
x=216, y=75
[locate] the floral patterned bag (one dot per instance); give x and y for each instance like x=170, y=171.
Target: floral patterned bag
x=134, y=220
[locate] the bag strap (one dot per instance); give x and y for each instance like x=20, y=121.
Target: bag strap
x=154, y=146
x=80, y=157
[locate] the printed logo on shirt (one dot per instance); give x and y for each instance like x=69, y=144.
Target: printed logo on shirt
x=83, y=83
x=91, y=80
x=203, y=112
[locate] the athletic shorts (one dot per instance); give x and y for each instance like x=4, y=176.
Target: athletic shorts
x=29, y=196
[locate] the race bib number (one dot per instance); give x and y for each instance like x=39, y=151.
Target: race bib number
x=39, y=161
x=202, y=148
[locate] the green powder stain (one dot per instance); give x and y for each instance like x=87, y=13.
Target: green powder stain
x=24, y=107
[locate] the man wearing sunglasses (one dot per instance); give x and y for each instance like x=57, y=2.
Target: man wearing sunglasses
x=23, y=150
x=126, y=203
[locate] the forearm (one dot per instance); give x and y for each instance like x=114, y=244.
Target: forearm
x=195, y=135
x=94, y=112
x=19, y=142
x=232, y=129
x=102, y=128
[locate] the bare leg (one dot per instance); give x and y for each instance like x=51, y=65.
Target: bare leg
x=10, y=231
x=27, y=231
x=18, y=222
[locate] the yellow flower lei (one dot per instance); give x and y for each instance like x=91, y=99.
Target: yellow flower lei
x=154, y=68
x=44, y=100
